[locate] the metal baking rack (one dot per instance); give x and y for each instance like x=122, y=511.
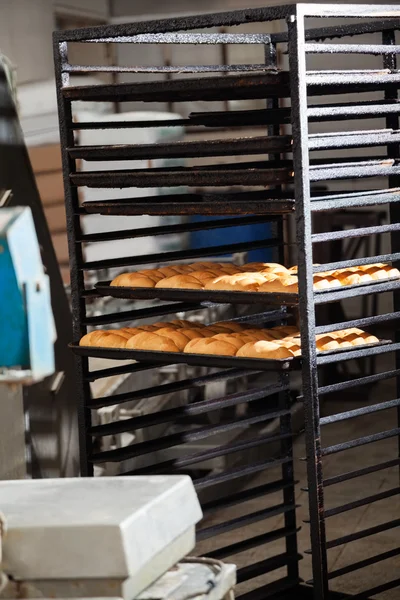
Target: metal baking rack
x=236, y=188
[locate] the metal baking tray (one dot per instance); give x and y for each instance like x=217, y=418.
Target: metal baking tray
x=206, y=360
x=208, y=296
x=357, y=289
x=231, y=297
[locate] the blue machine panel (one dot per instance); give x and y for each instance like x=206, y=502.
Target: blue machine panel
x=26, y=324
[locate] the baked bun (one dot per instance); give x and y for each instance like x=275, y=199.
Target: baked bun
x=347, y=277
x=183, y=323
x=204, y=276
x=211, y=346
x=151, y=341
x=286, y=330
x=90, y=338
x=135, y=280
x=169, y=271
x=176, y=335
x=180, y=282
x=322, y=281
x=263, y=349
x=231, y=326
x=236, y=341
x=267, y=267
x=194, y=333
x=326, y=342
x=292, y=345
x=287, y=285
x=247, y=282
x=203, y=266
x=377, y=273
x=104, y=339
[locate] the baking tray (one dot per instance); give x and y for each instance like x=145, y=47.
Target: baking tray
x=202, y=360
x=357, y=289
x=231, y=297
x=206, y=360
x=208, y=296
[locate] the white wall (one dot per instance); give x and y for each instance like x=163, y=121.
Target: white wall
x=25, y=37
x=90, y=8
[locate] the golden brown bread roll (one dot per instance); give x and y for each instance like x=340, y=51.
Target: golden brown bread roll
x=287, y=330
x=230, y=338
x=295, y=268
x=287, y=285
x=113, y=340
x=211, y=346
x=264, y=349
x=134, y=280
x=391, y=271
x=323, y=281
x=90, y=338
x=231, y=326
x=292, y=345
x=151, y=341
x=326, y=342
x=180, y=281
x=214, y=329
x=347, y=277
x=246, y=337
x=377, y=273
x=268, y=267
x=184, y=323
x=194, y=333
x=203, y=276
x=176, y=335
x=148, y=327
x=104, y=339
x=248, y=282
x=203, y=266
x=169, y=271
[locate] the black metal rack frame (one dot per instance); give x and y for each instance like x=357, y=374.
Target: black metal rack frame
x=257, y=81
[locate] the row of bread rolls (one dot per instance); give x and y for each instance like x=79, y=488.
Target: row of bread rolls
x=253, y=277
x=224, y=339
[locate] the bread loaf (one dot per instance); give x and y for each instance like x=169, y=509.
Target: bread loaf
x=347, y=277
x=180, y=282
x=184, y=323
x=176, y=335
x=267, y=267
x=249, y=282
x=151, y=341
x=90, y=338
x=326, y=342
x=104, y=339
x=134, y=280
x=231, y=326
x=263, y=349
x=287, y=285
x=325, y=281
x=169, y=271
x=230, y=338
x=211, y=346
x=203, y=276
x=194, y=333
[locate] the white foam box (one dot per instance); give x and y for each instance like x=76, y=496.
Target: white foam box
x=102, y=528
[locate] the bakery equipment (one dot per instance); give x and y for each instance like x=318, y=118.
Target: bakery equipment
x=50, y=402
x=28, y=333
x=27, y=349
x=270, y=182
x=114, y=536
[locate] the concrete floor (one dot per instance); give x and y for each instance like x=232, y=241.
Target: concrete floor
x=336, y=495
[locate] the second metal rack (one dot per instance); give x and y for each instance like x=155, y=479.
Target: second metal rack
x=241, y=195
